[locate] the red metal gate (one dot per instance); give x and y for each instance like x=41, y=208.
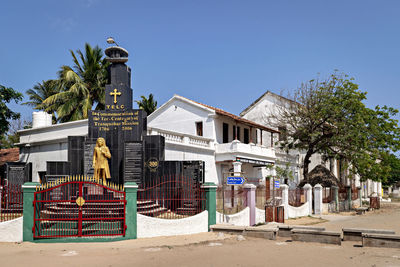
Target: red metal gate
x=79, y=207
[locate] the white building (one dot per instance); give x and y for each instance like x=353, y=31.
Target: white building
x=262, y=111
x=46, y=142
x=226, y=142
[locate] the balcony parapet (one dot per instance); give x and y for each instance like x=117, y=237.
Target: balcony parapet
x=182, y=138
x=251, y=150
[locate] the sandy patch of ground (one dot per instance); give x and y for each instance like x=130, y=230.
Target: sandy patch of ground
x=305, y=221
x=387, y=217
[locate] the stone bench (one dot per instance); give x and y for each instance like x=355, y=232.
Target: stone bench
x=317, y=236
x=232, y=229
x=267, y=233
x=261, y=233
x=380, y=240
x=355, y=234
x=361, y=210
x=286, y=230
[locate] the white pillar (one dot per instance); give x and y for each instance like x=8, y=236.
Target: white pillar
x=251, y=202
x=375, y=190
x=379, y=185
x=285, y=200
x=318, y=199
x=237, y=168
x=364, y=189
x=357, y=180
x=262, y=174
x=369, y=187
x=308, y=193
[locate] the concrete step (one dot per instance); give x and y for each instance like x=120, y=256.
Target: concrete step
x=286, y=230
x=154, y=212
x=325, y=237
x=380, y=240
x=251, y=231
x=355, y=234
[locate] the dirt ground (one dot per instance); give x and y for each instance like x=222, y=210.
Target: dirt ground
x=388, y=217
x=211, y=249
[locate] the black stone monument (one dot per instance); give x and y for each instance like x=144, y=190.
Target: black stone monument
x=119, y=124
x=135, y=156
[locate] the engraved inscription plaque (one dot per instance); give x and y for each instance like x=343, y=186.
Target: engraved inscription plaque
x=133, y=163
x=88, y=157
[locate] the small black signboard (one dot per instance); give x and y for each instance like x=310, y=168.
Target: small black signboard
x=88, y=157
x=18, y=172
x=133, y=164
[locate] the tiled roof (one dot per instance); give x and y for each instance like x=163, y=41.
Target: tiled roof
x=234, y=117
x=8, y=155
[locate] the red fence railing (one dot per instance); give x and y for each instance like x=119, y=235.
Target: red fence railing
x=261, y=198
x=297, y=197
x=355, y=193
x=170, y=197
x=231, y=199
x=327, y=195
x=343, y=193
x=11, y=205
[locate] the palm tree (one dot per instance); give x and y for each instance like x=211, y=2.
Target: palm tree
x=81, y=86
x=147, y=104
x=39, y=93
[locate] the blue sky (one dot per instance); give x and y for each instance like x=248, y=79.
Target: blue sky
x=221, y=53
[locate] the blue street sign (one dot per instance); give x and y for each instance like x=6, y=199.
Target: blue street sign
x=277, y=184
x=235, y=180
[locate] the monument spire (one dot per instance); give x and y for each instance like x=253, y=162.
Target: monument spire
x=119, y=79
x=121, y=126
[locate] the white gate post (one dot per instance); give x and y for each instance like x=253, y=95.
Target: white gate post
x=308, y=193
x=379, y=191
x=285, y=200
x=317, y=199
x=251, y=202
x=375, y=187
x=237, y=168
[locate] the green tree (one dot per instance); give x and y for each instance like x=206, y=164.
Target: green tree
x=7, y=94
x=39, y=93
x=9, y=139
x=330, y=118
x=394, y=173
x=147, y=104
x=82, y=86
x=284, y=171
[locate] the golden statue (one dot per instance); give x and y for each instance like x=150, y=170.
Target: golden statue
x=101, y=154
